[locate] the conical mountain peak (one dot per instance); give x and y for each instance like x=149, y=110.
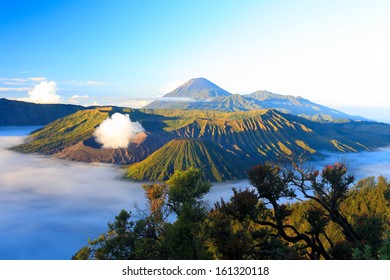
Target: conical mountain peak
x=198, y=89
x=200, y=83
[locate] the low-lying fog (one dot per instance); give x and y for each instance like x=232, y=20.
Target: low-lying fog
x=49, y=208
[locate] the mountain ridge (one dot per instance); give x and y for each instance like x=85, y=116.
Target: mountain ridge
x=216, y=163
x=242, y=137
x=198, y=89
x=20, y=113
x=202, y=99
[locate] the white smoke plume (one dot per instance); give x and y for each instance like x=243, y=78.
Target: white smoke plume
x=117, y=131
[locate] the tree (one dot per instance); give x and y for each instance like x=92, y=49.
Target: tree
x=151, y=243
x=233, y=233
x=329, y=191
x=127, y=238
x=116, y=244
x=185, y=192
x=332, y=221
x=273, y=183
x=325, y=192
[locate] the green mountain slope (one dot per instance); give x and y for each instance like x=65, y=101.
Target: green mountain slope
x=63, y=132
x=72, y=138
x=18, y=113
x=251, y=136
x=216, y=163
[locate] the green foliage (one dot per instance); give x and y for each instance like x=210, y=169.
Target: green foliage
x=317, y=220
x=369, y=230
x=384, y=251
x=333, y=186
x=185, y=193
x=234, y=234
x=116, y=244
x=342, y=250
x=365, y=208
x=153, y=237
x=83, y=254
x=334, y=222
x=186, y=189
x=271, y=182
x=364, y=253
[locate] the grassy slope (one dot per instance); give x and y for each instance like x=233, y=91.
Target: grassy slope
x=253, y=135
x=64, y=132
x=216, y=163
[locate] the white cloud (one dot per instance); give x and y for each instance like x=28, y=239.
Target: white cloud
x=44, y=92
x=124, y=101
x=12, y=80
x=86, y=83
x=16, y=81
x=12, y=83
x=77, y=98
x=95, y=83
x=51, y=205
x=136, y=103
x=37, y=79
x=117, y=131
x=2, y=89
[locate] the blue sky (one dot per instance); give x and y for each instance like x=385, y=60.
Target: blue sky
x=130, y=52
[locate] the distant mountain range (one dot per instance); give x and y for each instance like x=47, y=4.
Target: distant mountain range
x=196, y=94
x=201, y=94
x=223, y=144
x=207, y=127
x=18, y=113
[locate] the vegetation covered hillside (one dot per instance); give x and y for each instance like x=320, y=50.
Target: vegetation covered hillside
x=336, y=220
x=18, y=113
x=240, y=137
x=63, y=132
x=216, y=163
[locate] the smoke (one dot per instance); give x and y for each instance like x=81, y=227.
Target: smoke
x=117, y=131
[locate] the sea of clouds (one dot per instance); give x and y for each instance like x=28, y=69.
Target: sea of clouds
x=49, y=207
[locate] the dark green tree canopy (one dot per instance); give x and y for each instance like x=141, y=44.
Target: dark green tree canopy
x=334, y=220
